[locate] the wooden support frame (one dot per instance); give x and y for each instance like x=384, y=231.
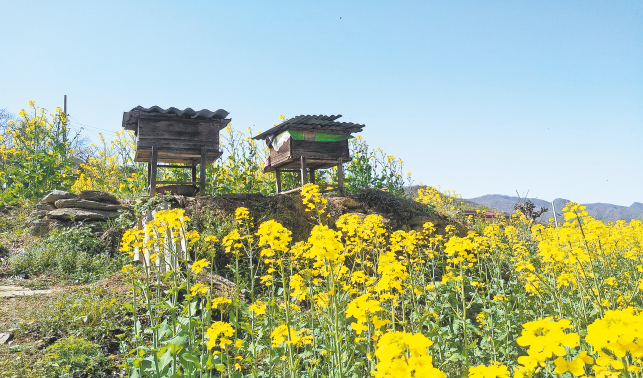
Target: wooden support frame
x=309, y=174
x=303, y=171
x=152, y=173
x=153, y=170
x=340, y=175
x=202, y=178
x=278, y=179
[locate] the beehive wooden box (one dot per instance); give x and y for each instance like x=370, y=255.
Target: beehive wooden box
x=175, y=136
x=308, y=143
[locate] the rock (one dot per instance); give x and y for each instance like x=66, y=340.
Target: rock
x=41, y=227
x=419, y=220
x=5, y=337
x=38, y=214
x=97, y=195
x=45, y=206
x=83, y=215
x=350, y=203
x=56, y=194
x=74, y=203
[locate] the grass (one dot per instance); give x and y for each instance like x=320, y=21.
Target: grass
x=83, y=321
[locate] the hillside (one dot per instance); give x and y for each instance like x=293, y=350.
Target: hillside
x=601, y=211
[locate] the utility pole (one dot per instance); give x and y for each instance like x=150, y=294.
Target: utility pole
x=65, y=124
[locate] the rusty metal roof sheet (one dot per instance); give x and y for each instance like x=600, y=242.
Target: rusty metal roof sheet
x=186, y=113
x=130, y=119
x=319, y=123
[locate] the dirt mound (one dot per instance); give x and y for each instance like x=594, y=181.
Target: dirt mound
x=399, y=213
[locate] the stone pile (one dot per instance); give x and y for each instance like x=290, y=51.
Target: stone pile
x=60, y=209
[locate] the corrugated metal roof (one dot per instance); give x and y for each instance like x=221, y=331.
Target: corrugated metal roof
x=186, y=113
x=314, y=122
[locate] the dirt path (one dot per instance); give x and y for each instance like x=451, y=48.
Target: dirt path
x=15, y=291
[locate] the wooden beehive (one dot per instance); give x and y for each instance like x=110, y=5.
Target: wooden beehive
x=307, y=143
x=176, y=136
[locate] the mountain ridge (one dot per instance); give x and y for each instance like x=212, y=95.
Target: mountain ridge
x=605, y=212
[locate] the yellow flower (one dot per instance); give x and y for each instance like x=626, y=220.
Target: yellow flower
x=546, y=337
x=258, y=308
x=216, y=302
x=216, y=329
x=199, y=265
x=402, y=354
x=576, y=366
x=495, y=370
x=199, y=288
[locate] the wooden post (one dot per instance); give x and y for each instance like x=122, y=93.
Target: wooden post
x=149, y=175
x=312, y=176
x=155, y=158
x=278, y=176
x=193, y=172
x=202, y=181
x=340, y=175
x=303, y=171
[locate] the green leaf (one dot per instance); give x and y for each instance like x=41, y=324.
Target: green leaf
x=165, y=359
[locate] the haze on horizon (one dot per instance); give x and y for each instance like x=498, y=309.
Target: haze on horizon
x=480, y=98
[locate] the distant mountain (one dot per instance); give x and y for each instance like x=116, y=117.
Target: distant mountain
x=601, y=211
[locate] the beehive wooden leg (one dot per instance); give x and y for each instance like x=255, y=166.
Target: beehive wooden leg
x=155, y=158
x=340, y=175
x=149, y=176
x=303, y=170
x=202, y=181
x=278, y=177
x=193, y=172
x=312, y=176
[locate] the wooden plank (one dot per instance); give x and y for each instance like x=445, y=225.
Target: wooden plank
x=193, y=172
x=202, y=178
x=174, y=166
x=315, y=163
x=340, y=175
x=178, y=182
x=312, y=175
x=177, y=157
x=278, y=177
x=291, y=191
x=171, y=144
x=303, y=170
x=331, y=150
x=179, y=128
x=136, y=116
x=155, y=155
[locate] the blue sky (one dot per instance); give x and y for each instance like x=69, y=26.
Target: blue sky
x=478, y=97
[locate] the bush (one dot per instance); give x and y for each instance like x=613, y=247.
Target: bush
x=73, y=254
